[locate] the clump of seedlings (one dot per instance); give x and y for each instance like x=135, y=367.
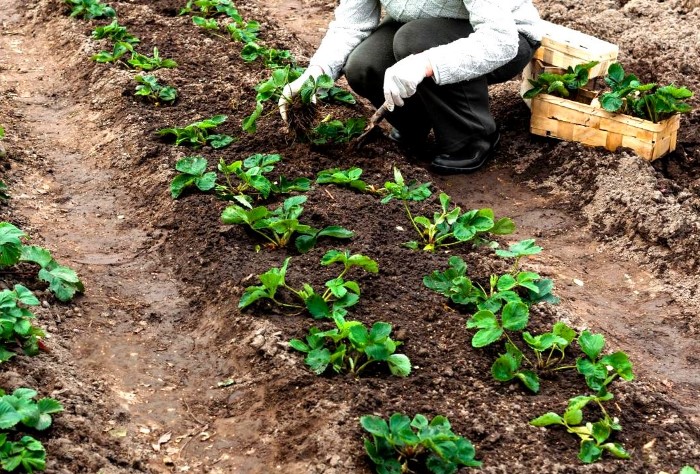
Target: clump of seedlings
x=114, y=32
x=149, y=88
x=567, y=85
x=199, y=133
x=338, y=295
x=418, y=445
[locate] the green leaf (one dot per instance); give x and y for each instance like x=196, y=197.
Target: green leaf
x=318, y=360
x=63, y=282
x=617, y=450
x=10, y=244
x=490, y=331
x=399, y=365
x=504, y=368
x=591, y=344
x=193, y=165
x=503, y=226
x=515, y=316
x=620, y=364
x=317, y=306
x=547, y=419
x=220, y=141
x=36, y=254
x=336, y=231
x=375, y=425
x=530, y=380
x=589, y=452
x=252, y=294
x=299, y=345
x=180, y=183
x=206, y=182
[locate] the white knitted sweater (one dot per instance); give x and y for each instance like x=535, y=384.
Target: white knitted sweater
x=494, y=42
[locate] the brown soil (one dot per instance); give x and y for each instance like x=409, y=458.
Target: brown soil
x=137, y=359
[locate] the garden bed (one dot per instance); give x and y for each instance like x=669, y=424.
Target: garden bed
x=276, y=415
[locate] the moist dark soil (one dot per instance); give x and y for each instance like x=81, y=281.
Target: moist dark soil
x=159, y=370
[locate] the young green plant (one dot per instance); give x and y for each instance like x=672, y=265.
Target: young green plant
x=337, y=131
x=149, y=88
x=594, y=436
x=566, y=85
x=198, y=134
x=350, y=348
x=647, y=101
x=349, y=178
x=418, y=445
x=115, y=33
x=90, y=9
x=339, y=293
x=146, y=63
x=278, y=226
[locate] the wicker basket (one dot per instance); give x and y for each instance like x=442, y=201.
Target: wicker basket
x=569, y=120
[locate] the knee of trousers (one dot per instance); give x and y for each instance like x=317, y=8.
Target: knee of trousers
x=362, y=75
x=412, y=38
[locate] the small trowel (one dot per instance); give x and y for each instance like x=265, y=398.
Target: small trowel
x=371, y=126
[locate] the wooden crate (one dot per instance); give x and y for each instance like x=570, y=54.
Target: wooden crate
x=568, y=120
x=563, y=47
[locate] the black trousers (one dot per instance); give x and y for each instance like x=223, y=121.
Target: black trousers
x=458, y=113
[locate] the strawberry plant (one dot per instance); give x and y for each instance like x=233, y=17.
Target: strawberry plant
x=518, y=250
x=63, y=281
x=252, y=183
x=119, y=49
x=594, y=436
x=349, y=178
x=211, y=7
x=337, y=131
x=350, y=347
x=207, y=24
x=411, y=191
x=269, y=90
x=16, y=323
x=339, y=294
x=601, y=371
x=192, y=173
x=278, y=226
x=21, y=408
x=146, y=63
x=562, y=85
x=245, y=32
x=114, y=32
x=90, y=9
x=150, y=88
x=418, y=445
x=27, y=454
x=451, y=227
x=272, y=58
x=197, y=134
x=647, y=101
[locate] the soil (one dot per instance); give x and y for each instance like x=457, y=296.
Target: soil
x=140, y=360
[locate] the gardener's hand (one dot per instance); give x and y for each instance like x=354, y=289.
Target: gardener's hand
x=401, y=80
x=292, y=89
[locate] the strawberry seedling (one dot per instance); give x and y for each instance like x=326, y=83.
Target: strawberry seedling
x=150, y=88
x=418, y=445
x=349, y=178
x=562, y=85
x=211, y=7
x=16, y=322
x=146, y=63
x=278, y=226
x=114, y=32
x=253, y=182
x=594, y=436
x=192, y=173
x=451, y=227
x=350, y=347
x=339, y=294
x=245, y=32
x=411, y=191
x=90, y=9
x=207, y=24
x=272, y=58
x=63, y=281
x=21, y=408
x=197, y=134
x=118, y=51
x=27, y=454
x=269, y=90
x=337, y=131
x=647, y=101
x=601, y=371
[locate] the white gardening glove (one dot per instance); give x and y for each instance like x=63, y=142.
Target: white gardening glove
x=401, y=80
x=292, y=89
